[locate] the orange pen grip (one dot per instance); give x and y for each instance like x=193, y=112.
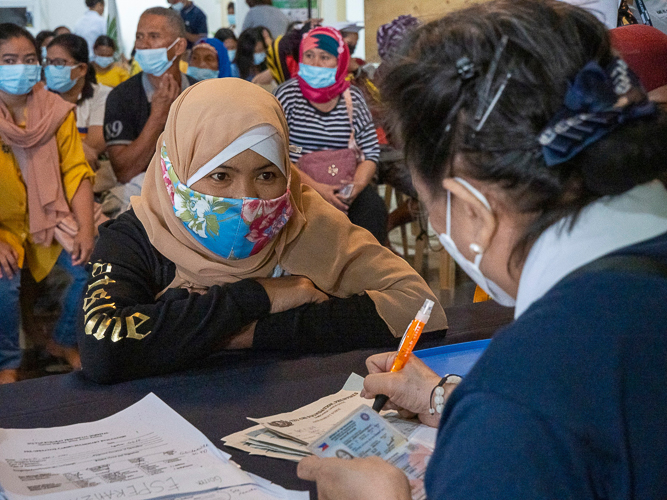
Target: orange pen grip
x=414, y=332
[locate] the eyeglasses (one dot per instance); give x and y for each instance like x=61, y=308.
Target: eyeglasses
x=59, y=63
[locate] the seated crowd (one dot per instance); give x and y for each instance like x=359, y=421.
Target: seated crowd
x=220, y=193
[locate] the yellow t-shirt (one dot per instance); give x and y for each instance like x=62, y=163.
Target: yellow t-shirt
x=113, y=77
x=135, y=69
x=14, y=220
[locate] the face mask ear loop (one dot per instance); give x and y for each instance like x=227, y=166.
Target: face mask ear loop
x=168, y=48
x=478, y=259
x=174, y=43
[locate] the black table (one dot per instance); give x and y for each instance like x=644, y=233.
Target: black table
x=219, y=395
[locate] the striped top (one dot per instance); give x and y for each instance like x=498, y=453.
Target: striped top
x=314, y=130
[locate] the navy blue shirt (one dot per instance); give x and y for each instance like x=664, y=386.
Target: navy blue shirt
x=195, y=21
x=569, y=401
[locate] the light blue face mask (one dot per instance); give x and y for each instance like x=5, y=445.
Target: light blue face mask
x=43, y=53
x=231, y=53
x=19, y=79
x=316, y=76
x=202, y=73
x=177, y=6
x=231, y=19
x=58, y=78
x=259, y=58
x=155, y=61
x=103, y=62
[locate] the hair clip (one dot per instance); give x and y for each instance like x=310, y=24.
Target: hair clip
x=488, y=79
x=493, y=103
x=598, y=101
x=465, y=68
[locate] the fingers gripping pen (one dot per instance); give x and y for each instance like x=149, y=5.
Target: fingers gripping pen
x=410, y=338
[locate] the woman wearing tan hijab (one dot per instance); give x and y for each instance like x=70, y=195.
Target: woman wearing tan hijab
x=225, y=248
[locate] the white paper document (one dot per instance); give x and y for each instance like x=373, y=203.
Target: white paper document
x=145, y=451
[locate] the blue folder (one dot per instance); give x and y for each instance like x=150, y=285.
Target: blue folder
x=455, y=358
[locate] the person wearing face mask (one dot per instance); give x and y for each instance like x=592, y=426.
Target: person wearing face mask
x=194, y=19
x=92, y=25
x=228, y=38
x=325, y=113
x=536, y=151
x=231, y=15
x=42, y=39
x=251, y=57
x=45, y=179
x=225, y=249
x=107, y=70
x=282, y=55
x=69, y=73
x=209, y=60
x=137, y=109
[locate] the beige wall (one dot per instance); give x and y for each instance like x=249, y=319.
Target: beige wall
x=379, y=12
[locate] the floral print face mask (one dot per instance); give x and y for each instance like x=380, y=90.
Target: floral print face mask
x=229, y=227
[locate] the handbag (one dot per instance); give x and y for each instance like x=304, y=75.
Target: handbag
x=68, y=228
x=334, y=167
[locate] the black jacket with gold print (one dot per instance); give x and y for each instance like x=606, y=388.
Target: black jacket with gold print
x=126, y=333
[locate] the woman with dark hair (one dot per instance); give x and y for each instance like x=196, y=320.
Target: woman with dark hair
x=42, y=39
x=328, y=116
x=45, y=183
x=227, y=36
x=231, y=15
x=107, y=70
x=69, y=73
x=536, y=151
x=251, y=53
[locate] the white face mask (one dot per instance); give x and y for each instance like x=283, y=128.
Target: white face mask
x=472, y=268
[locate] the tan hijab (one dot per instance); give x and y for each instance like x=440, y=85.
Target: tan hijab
x=36, y=152
x=318, y=242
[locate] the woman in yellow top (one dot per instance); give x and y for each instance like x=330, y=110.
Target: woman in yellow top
x=44, y=177
x=107, y=70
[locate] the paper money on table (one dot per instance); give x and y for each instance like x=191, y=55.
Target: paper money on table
x=287, y=435
x=259, y=441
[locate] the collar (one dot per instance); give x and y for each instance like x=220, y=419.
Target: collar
x=150, y=90
x=186, y=10
x=607, y=225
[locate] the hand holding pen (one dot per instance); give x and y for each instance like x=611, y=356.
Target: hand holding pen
x=410, y=338
x=408, y=390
